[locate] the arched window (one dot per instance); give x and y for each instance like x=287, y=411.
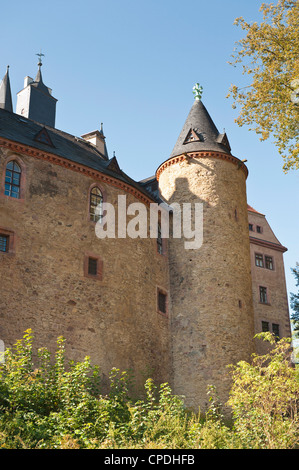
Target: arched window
x=12, y=180
x=96, y=204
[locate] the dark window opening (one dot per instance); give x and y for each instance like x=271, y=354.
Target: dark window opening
x=92, y=266
x=259, y=229
x=275, y=329
x=162, y=302
x=251, y=227
x=263, y=295
x=269, y=262
x=265, y=326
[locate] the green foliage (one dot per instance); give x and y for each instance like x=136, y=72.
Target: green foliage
x=48, y=404
x=295, y=304
x=265, y=399
x=269, y=58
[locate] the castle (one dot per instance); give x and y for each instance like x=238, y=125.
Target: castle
x=142, y=303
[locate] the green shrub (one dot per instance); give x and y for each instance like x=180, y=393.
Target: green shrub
x=48, y=404
x=265, y=399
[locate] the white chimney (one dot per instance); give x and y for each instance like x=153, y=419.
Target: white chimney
x=27, y=81
x=97, y=139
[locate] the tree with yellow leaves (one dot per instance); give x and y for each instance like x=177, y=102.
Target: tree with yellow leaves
x=270, y=57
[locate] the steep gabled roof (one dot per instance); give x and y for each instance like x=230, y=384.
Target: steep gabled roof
x=5, y=93
x=25, y=131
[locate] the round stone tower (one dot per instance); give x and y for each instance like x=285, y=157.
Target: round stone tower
x=210, y=295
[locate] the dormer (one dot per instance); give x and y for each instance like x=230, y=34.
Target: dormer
x=97, y=139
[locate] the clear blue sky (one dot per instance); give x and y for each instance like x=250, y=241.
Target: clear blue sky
x=132, y=65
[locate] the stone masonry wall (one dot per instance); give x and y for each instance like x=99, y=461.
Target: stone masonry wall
x=276, y=310
x=43, y=286
x=212, y=313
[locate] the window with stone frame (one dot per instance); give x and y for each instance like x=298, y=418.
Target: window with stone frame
x=93, y=266
x=96, y=204
x=269, y=262
x=259, y=260
x=4, y=243
x=7, y=241
x=12, y=180
x=263, y=295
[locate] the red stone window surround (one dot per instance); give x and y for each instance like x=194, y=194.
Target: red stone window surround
x=264, y=261
x=8, y=241
x=275, y=328
x=162, y=302
x=93, y=266
x=22, y=180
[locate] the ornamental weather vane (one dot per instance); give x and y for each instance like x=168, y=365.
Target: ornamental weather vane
x=197, y=91
x=40, y=55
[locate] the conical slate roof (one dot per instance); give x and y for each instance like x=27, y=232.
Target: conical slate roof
x=38, y=82
x=5, y=93
x=199, y=133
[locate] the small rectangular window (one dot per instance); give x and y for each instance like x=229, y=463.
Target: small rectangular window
x=162, y=302
x=265, y=326
x=259, y=229
x=92, y=266
x=251, y=227
x=259, y=260
x=263, y=295
x=4, y=243
x=269, y=262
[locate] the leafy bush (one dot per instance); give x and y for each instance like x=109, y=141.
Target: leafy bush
x=265, y=398
x=46, y=404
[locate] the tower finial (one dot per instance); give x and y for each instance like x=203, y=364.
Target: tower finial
x=197, y=91
x=40, y=55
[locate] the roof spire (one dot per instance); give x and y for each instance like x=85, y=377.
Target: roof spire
x=199, y=132
x=38, y=77
x=5, y=93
